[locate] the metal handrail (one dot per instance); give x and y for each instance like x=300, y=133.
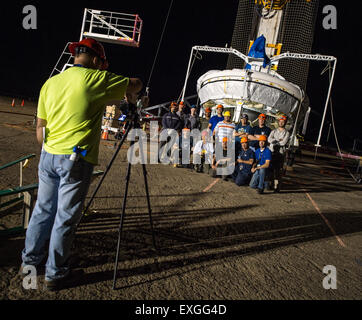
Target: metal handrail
x=17, y=161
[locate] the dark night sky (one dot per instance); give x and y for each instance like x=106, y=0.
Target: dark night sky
x=28, y=56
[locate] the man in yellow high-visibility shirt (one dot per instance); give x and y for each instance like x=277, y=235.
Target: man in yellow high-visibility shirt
x=70, y=109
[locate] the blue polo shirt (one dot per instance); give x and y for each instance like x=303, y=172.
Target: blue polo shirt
x=214, y=120
x=246, y=155
x=262, y=156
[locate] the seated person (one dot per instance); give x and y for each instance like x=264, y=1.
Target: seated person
x=244, y=162
x=263, y=158
x=205, y=150
x=224, y=162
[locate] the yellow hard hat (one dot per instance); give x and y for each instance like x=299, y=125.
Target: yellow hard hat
x=227, y=114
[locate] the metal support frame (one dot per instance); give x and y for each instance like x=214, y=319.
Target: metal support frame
x=218, y=50
x=57, y=67
x=313, y=57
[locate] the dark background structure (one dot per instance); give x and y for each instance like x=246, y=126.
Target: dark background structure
x=28, y=56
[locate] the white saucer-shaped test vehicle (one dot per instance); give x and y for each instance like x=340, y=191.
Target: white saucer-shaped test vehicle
x=249, y=91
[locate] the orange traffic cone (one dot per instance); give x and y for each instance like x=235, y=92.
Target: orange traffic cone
x=105, y=134
x=13, y=103
x=22, y=103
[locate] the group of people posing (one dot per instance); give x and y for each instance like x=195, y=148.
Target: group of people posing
x=258, y=154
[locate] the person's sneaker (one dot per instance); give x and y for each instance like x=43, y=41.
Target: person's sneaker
x=61, y=283
x=260, y=191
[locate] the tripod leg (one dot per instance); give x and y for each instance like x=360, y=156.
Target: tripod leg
x=121, y=224
x=149, y=205
x=131, y=125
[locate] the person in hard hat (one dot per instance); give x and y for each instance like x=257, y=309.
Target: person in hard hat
x=224, y=161
x=181, y=112
x=205, y=121
x=278, y=140
x=192, y=122
x=203, y=151
x=70, y=109
x=263, y=157
x=225, y=128
x=214, y=120
x=257, y=131
x=170, y=121
x=246, y=157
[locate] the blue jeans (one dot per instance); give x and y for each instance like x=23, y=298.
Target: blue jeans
x=63, y=186
x=258, y=179
x=242, y=178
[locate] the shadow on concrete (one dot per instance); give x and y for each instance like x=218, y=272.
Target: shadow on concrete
x=208, y=243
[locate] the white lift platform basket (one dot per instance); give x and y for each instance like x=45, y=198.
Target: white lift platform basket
x=112, y=27
x=104, y=26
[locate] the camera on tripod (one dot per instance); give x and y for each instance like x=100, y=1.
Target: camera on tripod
x=127, y=109
x=133, y=104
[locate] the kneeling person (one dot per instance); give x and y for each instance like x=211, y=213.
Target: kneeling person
x=245, y=160
x=224, y=162
x=205, y=150
x=263, y=157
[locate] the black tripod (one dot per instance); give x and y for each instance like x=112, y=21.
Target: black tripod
x=134, y=123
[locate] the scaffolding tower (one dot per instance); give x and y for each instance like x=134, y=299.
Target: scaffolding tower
x=295, y=32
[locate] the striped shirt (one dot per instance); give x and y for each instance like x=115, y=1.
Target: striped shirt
x=224, y=129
